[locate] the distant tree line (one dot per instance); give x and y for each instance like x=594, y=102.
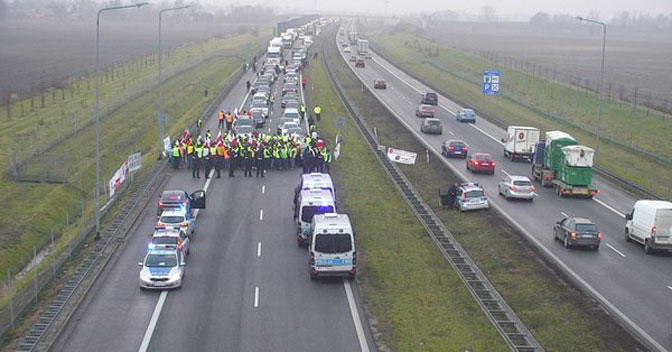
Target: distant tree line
x=623, y=19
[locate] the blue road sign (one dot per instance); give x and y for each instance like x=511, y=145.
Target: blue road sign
x=491, y=82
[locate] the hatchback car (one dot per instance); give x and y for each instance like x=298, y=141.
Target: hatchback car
x=360, y=63
x=177, y=219
x=289, y=88
x=175, y=200
x=170, y=239
x=353, y=58
x=454, y=148
x=517, y=187
x=430, y=98
x=292, y=104
x=379, y=84
x=481, y=162
x=432, y=126
x=258, y=117
x=425, y=110
x=577, y=232
x=466, y=115
x=287, y=97
x=261, y=106
x=162, y=268
x=471, y=196
x=347, y=50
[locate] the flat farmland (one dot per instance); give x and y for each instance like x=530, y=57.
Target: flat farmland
x=634, y=58
x=40, y=54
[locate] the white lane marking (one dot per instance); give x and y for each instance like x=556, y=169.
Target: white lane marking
x=263, y=189
x=256, y=296
x=152, y=322
x=615, y=250
x=258, y=249
x=504, y=171
x=486, y=134
x=205, y=188
x=261, y=214
x=363, y=344
x=451, y=132
x=563, y=214
x=609, y=207
x=670, y=287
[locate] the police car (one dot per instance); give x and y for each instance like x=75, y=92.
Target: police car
x=310, y=203
x=162, y=268
x=174, y=199
x=471, y=196
x=331, y=250
x=170, y=239
x=179, y=219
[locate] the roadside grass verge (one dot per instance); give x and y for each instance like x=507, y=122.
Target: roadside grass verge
x=38, y=208
x=559, y=315
x=415, y=300
x=459, y=74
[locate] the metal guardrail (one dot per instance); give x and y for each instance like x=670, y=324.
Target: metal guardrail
x=611, y=177
x=500, y=314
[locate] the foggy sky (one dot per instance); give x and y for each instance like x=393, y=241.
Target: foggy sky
x=505, y=9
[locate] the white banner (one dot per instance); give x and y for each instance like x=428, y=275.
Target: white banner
x=134, y=162
x=167, y=146
x=337, y=151
x=401, y=156
x=119, y=177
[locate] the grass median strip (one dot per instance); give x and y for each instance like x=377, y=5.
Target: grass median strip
x=458, y=73
x=560, y=317
x=415, y=299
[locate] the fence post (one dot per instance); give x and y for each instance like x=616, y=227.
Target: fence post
x=427, y=153
x=53, y=250
x=35, y=266
x=11, y=297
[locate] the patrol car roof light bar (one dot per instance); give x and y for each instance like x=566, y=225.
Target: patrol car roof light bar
x=98, y=113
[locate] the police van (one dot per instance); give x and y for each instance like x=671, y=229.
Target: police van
x=332, y=246
x=310, y=203
x=315, y=180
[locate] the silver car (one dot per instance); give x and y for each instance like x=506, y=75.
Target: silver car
x=470, y=196
x=431, y=126
x=161, y=269
x=170, y=239
x=517, y=187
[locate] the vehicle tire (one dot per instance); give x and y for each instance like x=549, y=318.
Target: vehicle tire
x=506, y=195
x=555, y=238
x=531, y=200
x=352, y=276
x=627, y=235
x=647, y=247
x=313, y=277
x=443, y=151
x=492, y=172
x=566, y=242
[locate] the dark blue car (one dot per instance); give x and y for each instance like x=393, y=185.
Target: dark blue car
x=455, y=148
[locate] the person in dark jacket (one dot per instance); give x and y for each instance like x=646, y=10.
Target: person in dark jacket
x=452, y=192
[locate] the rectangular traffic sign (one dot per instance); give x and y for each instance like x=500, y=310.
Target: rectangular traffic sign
x=491, y=82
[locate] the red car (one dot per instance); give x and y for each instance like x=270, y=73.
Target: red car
x=481, y=162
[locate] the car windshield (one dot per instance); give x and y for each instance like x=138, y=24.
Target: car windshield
x=172, y=219
x=292, y=104
x=164, y=240
x=309, y=211
x=259, y=104
x=434, y=122
x=586, y=228
x=457, y=144
x=244, y=122
x=160, y=260
x=430, y=95
x=289, y=97
x=333, y=243
x=290, y=115
x=522, y=183
x=290, y=125
x=467, y=112
x=474, y=194
x=172, y=197
x=482, y=157
x=257, y=114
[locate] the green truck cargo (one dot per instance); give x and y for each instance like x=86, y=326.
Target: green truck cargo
x=561, y=163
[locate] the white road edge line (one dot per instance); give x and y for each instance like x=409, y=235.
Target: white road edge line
x=152, y=322
x=258, y=249
x=256, y=296
x=670, y=287
x=504, y=171
x=363, y=344
x=609, y=207
x=563, y=214
x=615, y=250
x=261, y=215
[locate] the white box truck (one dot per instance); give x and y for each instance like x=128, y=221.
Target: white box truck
x=520, y=142
x=362, y=46
x=650, y=223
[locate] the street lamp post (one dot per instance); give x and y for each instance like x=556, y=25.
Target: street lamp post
x=161, y=120
x=599, y=96
x=97, y=210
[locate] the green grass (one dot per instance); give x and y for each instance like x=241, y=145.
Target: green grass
x=459, y=74
x=560, y=317
x=410, y=290
x=38, y=208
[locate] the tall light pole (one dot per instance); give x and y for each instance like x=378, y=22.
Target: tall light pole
x=161, y=120
x=97, y=210
x=599, y=96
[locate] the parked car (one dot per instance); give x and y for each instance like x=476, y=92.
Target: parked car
x=573, y=231
x=258, y=117
x=379, y=84
x=466, y=115
x=178, y=220
x=162, y=268
x=289, y=88
x=471, y=196
x=347, y=50
x=288, y=97
x=174, y=200
x=430, y=98
x=517, y=187
x=170, y=239
x=360, y=63
x=425, y=110
x=481, y=162
x=455, y=148
x=353, y=58
x=432, y=126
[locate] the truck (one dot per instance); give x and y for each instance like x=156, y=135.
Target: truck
x=362, y=46
x=287, y=41
x=352, y=38
x=561, y=163
x=274, y=55
x=520, y=142
x=275, y=42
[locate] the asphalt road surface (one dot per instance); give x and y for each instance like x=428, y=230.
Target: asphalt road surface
x=636, y=284
x=246, y=288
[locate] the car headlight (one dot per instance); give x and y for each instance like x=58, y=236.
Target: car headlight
x=174, y=277
x=144, y=275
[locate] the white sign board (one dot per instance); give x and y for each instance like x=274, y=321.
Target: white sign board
x=134, y=162
x=119, y=177
x=337, y=151
x=166, y=146
x=401, y=156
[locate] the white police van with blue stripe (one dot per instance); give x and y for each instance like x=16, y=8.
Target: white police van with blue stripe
x=332, y=246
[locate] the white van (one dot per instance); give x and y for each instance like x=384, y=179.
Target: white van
x=315, y=180
x=650, y=223
x=332, y=247
x=310, y=202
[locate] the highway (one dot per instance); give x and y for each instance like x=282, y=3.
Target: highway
x=637, y=285
x=247, y=286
